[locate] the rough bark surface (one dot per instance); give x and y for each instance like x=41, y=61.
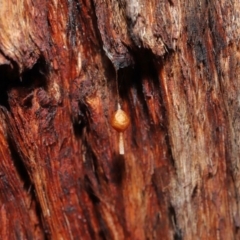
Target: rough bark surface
x=178, y=68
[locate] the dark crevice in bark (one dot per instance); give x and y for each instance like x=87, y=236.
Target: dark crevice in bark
x=194, y=192
x=103, y=233
x=78, y=128
x=19, y=166
x=90, y=190
x=3, y=94
x=148, y=71
x=35, y=77
x=118, y=169
x=173, y=218
x=142, y=71
x=178, y=235
x=129, y=78
x=26, y=83
x=83, y=118
x=7, y=76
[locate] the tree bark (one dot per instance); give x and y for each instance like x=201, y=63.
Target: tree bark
x=173, y=66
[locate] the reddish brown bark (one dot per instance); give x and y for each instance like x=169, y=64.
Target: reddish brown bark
x=61, y=176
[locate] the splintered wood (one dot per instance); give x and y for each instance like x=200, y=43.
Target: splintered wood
x=63, y=174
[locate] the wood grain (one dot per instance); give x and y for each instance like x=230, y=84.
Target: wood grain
x=178, y=79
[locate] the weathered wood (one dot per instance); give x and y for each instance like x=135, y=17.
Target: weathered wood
x=18, y=208
x=178, y=72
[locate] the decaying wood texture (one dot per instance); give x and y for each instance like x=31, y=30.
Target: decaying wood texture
x=178, y=67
